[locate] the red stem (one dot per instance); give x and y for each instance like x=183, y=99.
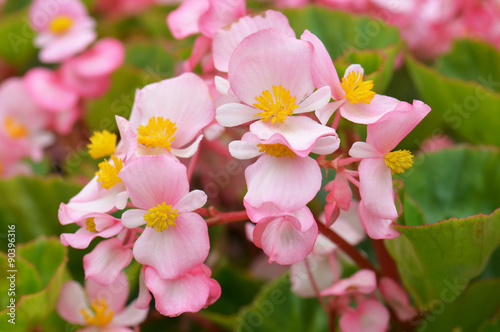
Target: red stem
x=220, y=218
x=387, y=265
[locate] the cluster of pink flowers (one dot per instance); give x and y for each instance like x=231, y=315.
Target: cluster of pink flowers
x=427, y=26
x=282, y=93
x=49, y=101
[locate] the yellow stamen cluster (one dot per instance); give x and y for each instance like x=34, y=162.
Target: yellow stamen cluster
x=102, y=314
x=158, y=132
x=108, y=174
x=161, y=216
x=356, y=90
x=399, y=161
x=276, y=150
x=60, y=24
x=90, y=225
x=14, y=129
x=277, y=107
x=102, y=144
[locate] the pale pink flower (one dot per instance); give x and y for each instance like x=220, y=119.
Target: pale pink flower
x=64, y=28
x=104, y=264
x=22, y=123
x=353, y=97
x=99, y=308
x=175, y=239
x=377, y=208
x=169, y=116
x=369, y=316
x=272, y=85
x=189, y=292
x=286, y=237
x=89, y=74
x=363, y=282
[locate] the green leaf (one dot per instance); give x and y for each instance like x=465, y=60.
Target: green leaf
x=457, y=182
x=151, y=57
x=471, y=60
x=477, y=303
x=278, y=309
x=49, y=258
x=464, y=109
x=490, y=326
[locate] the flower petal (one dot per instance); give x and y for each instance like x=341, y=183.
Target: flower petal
x=115, y=294
x=370, y=315
x=71, y=300
x=235, y=114
x=368, y=113
x=130, y=316
x=193, y=200
x=376, y=227
x=317, y=100
x=363, y=282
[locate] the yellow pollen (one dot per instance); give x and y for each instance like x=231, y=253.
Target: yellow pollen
x=356, y=90
x=161, y=216
x=60, y=24
x=159, y=132
x=102, y=314
x=276, y=150
x=277, y=107
x=14, y=129
x=399, y=161
x=102, y=144
x=108, y=174
x=90, y=223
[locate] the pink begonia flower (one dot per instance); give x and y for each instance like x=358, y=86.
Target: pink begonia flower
x=397, y=299
x=226, y=40
x=353, y=97
x=189, y=292
x=272, y=85
x=377, y=208
x=47, y=89
x=99, y=308
x=285, y=237
x=363, y=282
x=89, y=74
x=205, y=16
x=339, y=196
x=324, y=261
x=283, y=174
x=168, y=116
x=22, y=123
x=104, y=264
x=91, y=225
x=175, y=239
x=369, y=316
x=64, y=28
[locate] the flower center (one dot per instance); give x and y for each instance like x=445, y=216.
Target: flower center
x=159, y=132
x=60, y=24
x=102, y=144
x=14, y=129
x=399, y=161
x=161, y=216
x=276, y=150
x=277, y=107
x=356, y=90
x=102, y=314
x=108, y=174
x=90, y=223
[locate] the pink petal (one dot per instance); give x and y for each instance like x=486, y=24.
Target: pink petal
x=148, y=184
x=225, y=40
x=102, y=59
x=71, y=300
x=82, y=237
x=369, y=316
x=130, y=316
x=285, y=62
x=106, y=261
x=301, y=219
x=397, y=299
x=115, y=294
x=326, y=145
x=46, y=89
x=288, y=183
x=188, y=151
x=220, y=14
x=364, y=150
x=184, y=100
x=128, y=143
x=189, y=292
x=85, y=87
x=368, y=113
x=192, y=201
x=323, y=70
x=324, y=114
x=348, y=224
x=144, y=297
x=244, y=150
x=363, y=282
x=176, y=250
x=42, y=11
x=387, y=132
x=376, y=188
x=376, y=227
x=282, y=242
x=317, y=100
x=183, y=21
x=300, y=132
x=325, y=271
x=63, y=47
x=235, y=114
